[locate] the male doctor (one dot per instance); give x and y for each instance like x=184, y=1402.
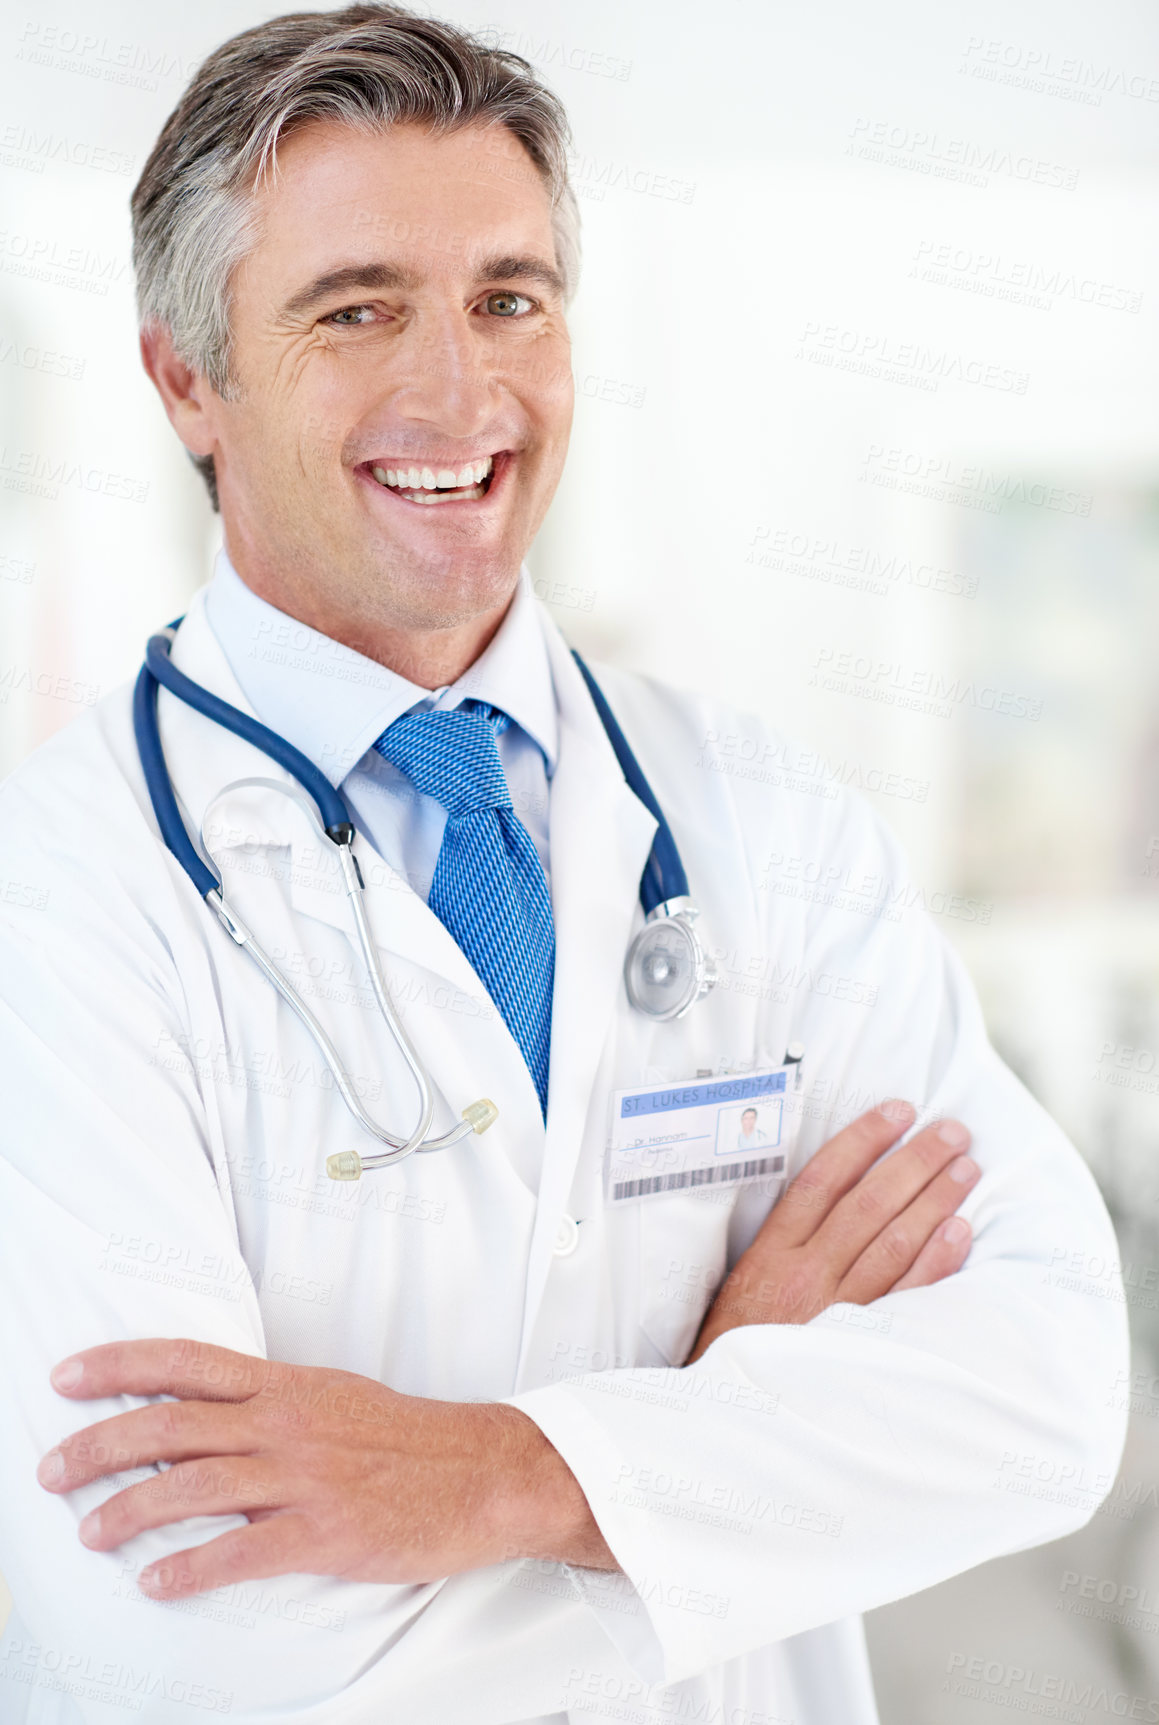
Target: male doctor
x=467, y=1442
x=750, y=1134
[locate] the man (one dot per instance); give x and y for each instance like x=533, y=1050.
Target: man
x=470, y=1440
x=750, y=1134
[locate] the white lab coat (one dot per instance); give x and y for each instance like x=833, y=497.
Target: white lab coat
x=166, y=1121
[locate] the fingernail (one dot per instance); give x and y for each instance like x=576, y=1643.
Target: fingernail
x=67, y=1375
x=150, y=1579
x=955, y=1230
x=90, y=1527
x=897, y=1110
x=953, y=1133
x=51, y=1468
x=962, y=1169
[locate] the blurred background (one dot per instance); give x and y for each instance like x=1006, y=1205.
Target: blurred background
x=867, y=368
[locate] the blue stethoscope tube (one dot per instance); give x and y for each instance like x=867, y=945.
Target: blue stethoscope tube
x=666, y=970
x=664, y=878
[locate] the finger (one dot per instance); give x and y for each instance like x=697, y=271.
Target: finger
x=879, y=1198
x=162, y=1365
x=163, y=1431
x=211, y=1485
x=944, y=1252
x=896, y=1248
x=282, y=1545
x=830, y=1173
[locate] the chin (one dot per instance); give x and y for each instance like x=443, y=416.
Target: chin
x=443, y=592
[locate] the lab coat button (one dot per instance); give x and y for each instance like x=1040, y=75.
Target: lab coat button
x=566, y=1237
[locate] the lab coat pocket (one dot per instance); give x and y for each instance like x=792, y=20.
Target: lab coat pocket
x=685, y=1255
x=683, y=1260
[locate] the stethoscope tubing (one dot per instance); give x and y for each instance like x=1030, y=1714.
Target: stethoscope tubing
x=664, y=878
x=209, y=885
x=663, y=886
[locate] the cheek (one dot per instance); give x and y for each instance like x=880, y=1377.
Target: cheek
x=292, y=364
x=318, y=432
x=547, y=392
x=306, y=396
x=298, y=418
x=557, y=407
x=540, y=375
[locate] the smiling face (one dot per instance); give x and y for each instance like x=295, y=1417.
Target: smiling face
x=402, y=385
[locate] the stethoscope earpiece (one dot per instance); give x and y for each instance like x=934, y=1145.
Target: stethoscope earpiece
x=667, y=970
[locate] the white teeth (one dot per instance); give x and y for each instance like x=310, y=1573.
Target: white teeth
x=436, y=497
x=423, y=479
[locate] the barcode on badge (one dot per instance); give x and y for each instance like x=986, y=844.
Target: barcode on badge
x=713, y=1176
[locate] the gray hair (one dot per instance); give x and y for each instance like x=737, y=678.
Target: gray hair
x=369, y=67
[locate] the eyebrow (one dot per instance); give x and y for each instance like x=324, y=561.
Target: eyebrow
x=374, y=277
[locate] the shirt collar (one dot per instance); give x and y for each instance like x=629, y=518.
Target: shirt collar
x=332, y=702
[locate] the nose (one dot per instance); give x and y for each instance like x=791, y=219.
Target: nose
x=451, y=381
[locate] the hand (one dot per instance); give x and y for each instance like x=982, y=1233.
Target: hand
x=842, y=1233
x=337, y=1474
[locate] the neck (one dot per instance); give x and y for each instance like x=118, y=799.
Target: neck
x=431, y=656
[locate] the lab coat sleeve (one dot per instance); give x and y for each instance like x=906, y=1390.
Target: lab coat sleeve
x=115, y=1224
x=114, y=1227
x=800, y=1473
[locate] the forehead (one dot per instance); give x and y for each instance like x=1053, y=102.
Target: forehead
x=435, y=203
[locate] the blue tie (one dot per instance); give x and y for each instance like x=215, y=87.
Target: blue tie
x=488, y=889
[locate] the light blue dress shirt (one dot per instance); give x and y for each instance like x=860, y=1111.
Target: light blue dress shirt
x=332, y=703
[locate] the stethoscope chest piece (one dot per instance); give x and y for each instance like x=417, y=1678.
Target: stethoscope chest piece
x=667, y=969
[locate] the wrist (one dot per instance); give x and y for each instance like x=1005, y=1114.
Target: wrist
x=537, y=1507
x=760, y=1290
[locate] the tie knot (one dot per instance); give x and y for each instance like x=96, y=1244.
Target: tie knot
x=451, y=756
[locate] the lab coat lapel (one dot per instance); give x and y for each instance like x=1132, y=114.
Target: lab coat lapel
x=407, y=932
x=205, y=758
x=600, y=836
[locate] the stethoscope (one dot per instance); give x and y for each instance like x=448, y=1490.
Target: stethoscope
x=666, y=970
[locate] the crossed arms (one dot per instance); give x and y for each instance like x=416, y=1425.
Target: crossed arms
x=884, y=1429
x=339, y=1475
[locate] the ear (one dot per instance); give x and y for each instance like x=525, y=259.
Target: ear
x=189, y=398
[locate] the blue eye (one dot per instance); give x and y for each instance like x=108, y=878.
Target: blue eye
x=350, y=314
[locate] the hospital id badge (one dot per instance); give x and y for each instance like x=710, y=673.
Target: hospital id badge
x=710, y=1132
